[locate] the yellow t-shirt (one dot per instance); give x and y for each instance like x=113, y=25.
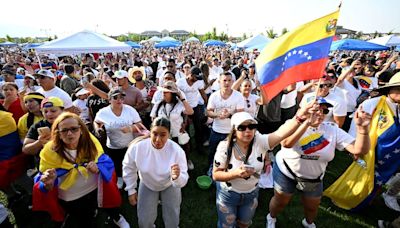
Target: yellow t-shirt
x=22, y=125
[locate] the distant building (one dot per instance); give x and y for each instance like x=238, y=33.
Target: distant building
x=345, y=33
x=150, y=33
x=164, y=33
x=180, y=34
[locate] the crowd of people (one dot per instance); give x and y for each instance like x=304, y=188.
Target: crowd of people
x=86, y=127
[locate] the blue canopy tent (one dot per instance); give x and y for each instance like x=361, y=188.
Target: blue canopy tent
x=259, y=47
x=254, y=41
x=356, y=45
x=397, y=48
x=167, y=44
x=8, y=44
x=133, y=44
x=31, y=46
x=214, y=43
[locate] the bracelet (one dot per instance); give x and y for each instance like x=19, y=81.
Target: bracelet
x=183, y=99
x=300, y=120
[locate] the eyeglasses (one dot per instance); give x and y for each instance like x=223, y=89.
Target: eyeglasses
x=244, y=127
x=118, y=97
x=325, y=85
x=248, y=103
x=72, y=130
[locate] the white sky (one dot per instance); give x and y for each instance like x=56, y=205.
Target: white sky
x=114, y=17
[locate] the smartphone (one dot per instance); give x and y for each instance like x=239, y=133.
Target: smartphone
x=248, y=167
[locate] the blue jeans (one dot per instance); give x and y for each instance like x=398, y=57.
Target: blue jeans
x=233, y=207
x=215, y=138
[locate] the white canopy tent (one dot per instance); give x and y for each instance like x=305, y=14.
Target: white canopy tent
x=254, y=41
x=168, y=38
x=154, y=39
x=389, y=40
x=83, y=42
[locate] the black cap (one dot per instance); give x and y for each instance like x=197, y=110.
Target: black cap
x=115, y=92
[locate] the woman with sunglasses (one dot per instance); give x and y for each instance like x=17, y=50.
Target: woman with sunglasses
x=301, y=163
x=39, y=133
x=238, y=163
x=121, y=123
x=162, y=168
x=252, y=100
x=338, y=111
x=76, y=177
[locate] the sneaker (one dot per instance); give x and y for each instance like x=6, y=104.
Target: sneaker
x=120, y=182
x=122, y=222
x=391, y=202
x=270, y=221
x=190, y=165
x=307, y=225
x=206, y=143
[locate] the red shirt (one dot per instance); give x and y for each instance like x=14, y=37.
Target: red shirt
x=16, y=109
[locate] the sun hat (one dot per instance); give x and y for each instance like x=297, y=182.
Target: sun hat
x=45, y=73
x=82, y=92
x=168, y=86
x=393, y=82
x=240, y=117
x=120, y=74
x=133, y=70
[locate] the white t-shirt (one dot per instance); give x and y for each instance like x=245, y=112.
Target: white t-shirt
x=309, y=157
x=81, y=104
x=339, y=105
x=289, y=100
x=350, y=94
x=81, y=186
x=216, y=103
x=191, y=92
x=57, y=92
x=215, y=71
x=367, y=83
x=154, y=166
x=174, y=115
x=256, y=159
x=116, y=139
x=250, y=105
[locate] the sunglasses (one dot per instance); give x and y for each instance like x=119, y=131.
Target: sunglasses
x=248, y=103
x=40, y=77
x=325, y=111
x=244, y=127
x=118, y=97
x=72, y=130
x=325, y=85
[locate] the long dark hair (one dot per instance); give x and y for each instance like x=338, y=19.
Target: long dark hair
x=163, y=103
x=31, y=116
x=231, y=140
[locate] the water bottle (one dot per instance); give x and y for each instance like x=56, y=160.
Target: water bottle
x=362, y=163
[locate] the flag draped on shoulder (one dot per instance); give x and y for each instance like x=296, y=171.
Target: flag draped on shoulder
x=358, y=185
x=298, y=55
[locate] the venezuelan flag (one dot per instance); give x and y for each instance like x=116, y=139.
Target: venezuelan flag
x=358, y=185
x=298, y=55
x=313, y=143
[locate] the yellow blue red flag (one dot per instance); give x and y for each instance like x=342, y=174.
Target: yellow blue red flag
x=358, y=185
x=298, y=55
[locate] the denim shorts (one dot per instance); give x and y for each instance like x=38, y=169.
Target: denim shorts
x=284, y=184
x=233, y=206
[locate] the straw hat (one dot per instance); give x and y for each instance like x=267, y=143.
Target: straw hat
x=133, y=70
x=393, y=82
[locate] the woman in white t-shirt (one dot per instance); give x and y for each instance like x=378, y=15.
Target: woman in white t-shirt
x=122, y=123
x=238, y=163
x=162, y=168
x=302, y=161
x=174, y=107
x=252, y=100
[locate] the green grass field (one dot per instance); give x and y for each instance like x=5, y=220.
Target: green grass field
x=198, y=206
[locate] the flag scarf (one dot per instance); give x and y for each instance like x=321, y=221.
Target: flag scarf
x=12, y=161
x=107, y=190
x=358, y=186
x=298, y=55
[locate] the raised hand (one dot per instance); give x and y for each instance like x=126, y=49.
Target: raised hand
x=361, y=118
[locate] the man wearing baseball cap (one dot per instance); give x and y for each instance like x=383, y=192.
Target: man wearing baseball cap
x=46, y=79
x=133, y=95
